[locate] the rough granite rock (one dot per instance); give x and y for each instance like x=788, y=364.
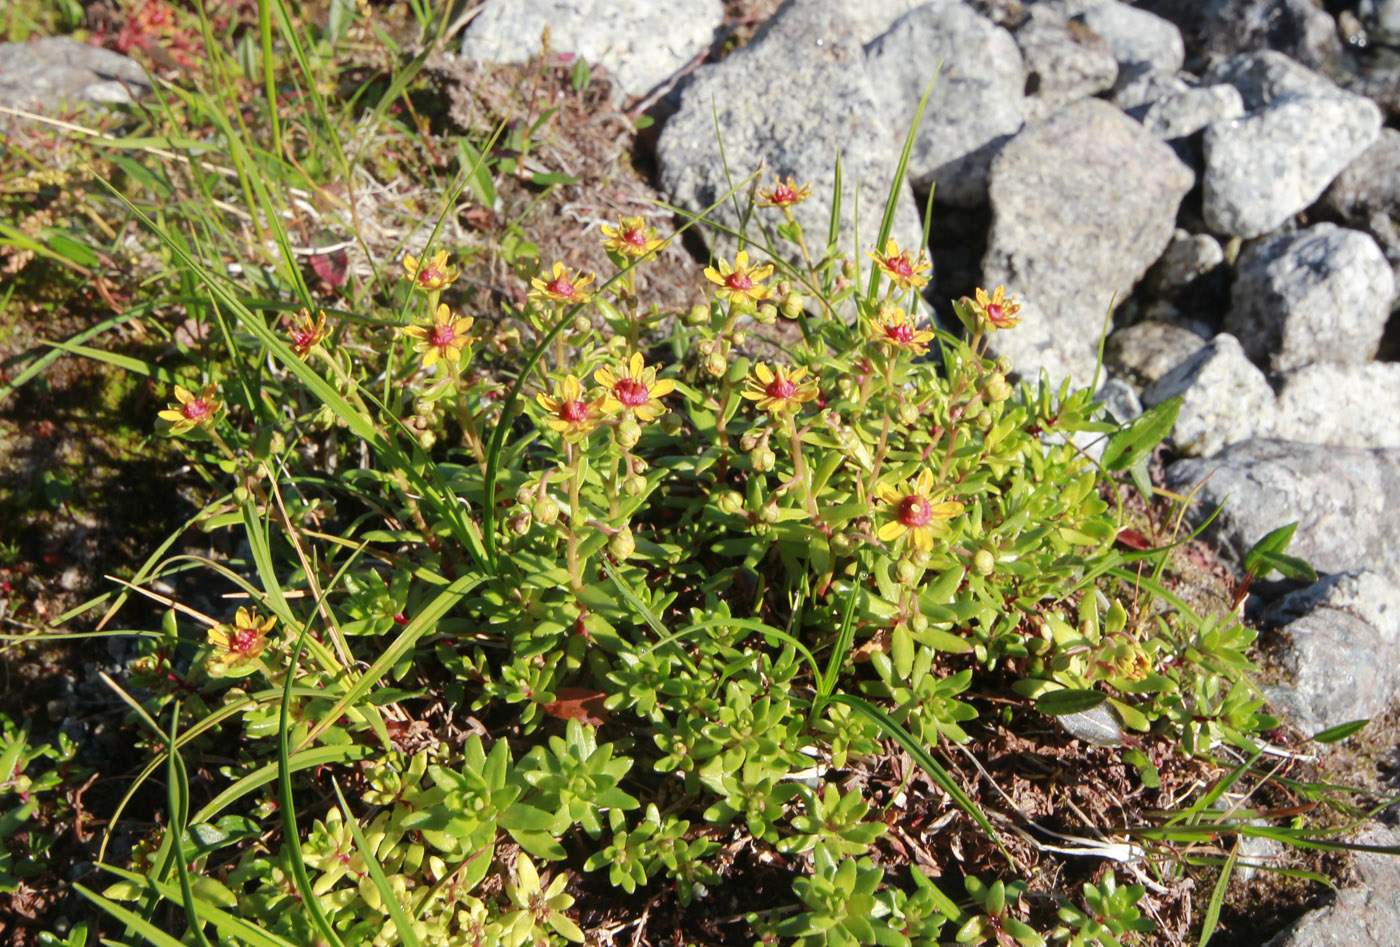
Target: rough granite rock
x=1338, y=644
x=1145, y=351
x=974, y=106
x=1190, y=110
x=1034, y=346
x=1140, y=40
x=1366, y=195
x=1382, y=20
x=1319, y=295
x=1082, y=204
x=871, y=18
x=1187, y=258
x=788, y=101
x=1065, y=61
x=1224, y=398
x=1344, y=405
x=1218, y=29
x=1135, y=92
x=1367, y=915
x=1269, y=165
x=1342, y=498
x=1262, y=77
x=641, y=42
x=46, y=72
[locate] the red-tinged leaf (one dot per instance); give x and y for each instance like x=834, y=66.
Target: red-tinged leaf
x=331, y=268
x=1133, y=539
x=578, y=703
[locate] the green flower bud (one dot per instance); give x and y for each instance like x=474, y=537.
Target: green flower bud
x=766, y=315
x=771, y=511
x=848, y=269
x=622, y=544
x=634, y=485
x=520, y=524
x=616, y=346
x=906, y=573
x=783, y=287
x=918, y=557
x=749, y=440
x=738, y=338
x=670, y=423
x=845, y=385
x=629, y=432
x=730, y=502
x=918, y=622
x=698, y=315
x=545, y=511
x=983, y=419
x=984, y=563
x=525, y=495
x=1003, y=364
x=582, y=324
x=427, y=439
x=996, y=387
x=716, y=364
x=762, y=459
x=793, y=305
x=842, y=543
x=908, y=414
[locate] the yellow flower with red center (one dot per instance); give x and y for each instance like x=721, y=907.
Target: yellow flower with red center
x=238, y=645
x=784, y=194
x=561, y=287
x=995, y=311
x=445, y=338
x=567, y=412
x=635, y=389
x=190, y=410
x=777, y=390
x=632, y=238
x=429, y=275
x=739, y=284
x=904, y=271
x=912, y=513
x=893, y=327
x=306, y=333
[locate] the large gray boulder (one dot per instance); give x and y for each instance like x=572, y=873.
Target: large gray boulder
x=1140, y=40
x=1145, y=351
x=1265, y=76
x=1343, y=500
x=1343, y=405
x=1064, y=62
x=974, y=105
x=1082, y=204
x=1217, y=29
x=1224, y=398
x=45, y=73
x=1190, y=110
x=1319, y=295
x=789, y=102
x=1364, y=915
x=641, y=42
x=1366, y=195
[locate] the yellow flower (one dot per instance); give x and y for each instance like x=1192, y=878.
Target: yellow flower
x=191, y=410
x=561, y=287
x=632, y=238
x=445, y=338
x=995, y=311
x=238, y=645
x=739, y=284
x=429, y=275
x=568, y=413
x=893, y=327
x=634, y=389
x=897, y=265
x=307, y=333
x=784, y=193
x=777, y=391
x=911, y=511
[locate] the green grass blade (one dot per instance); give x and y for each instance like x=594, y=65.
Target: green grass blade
x=1217, y=899
x=897, y=185
x=177, y=796
x=154, y=935
x=228, y=924
x=376, y=873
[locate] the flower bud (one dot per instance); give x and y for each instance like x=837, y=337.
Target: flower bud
x=783, y=287
x=582, y=324
x=716, y=364
x=848, y=269
x=634, y=485
x=1003, y=364
x=545, y=511
x=983, y=419
x=622, y=544
x=749, y=440
x=242, y=494
x=793, y=304
x=525, y=495
x=638, y=465
x=918, y=557
x=996, y=388
x=908, y=413
x=906, y=572
x=845, y=385
x=730, y=503
x=771, y=511
x=738, y=338
x=616, y=346
x=427, y=439
x=766, y=315
x=629, y=432
x=520, y=524
x=842, y=543
x=918, y=622
x=984, y=563
x=698, y=315
x=762, y=458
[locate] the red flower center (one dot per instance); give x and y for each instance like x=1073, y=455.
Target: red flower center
x=901, y=265
x=631, y=392
x=195, y=410
x=995, y=313
x=441, y=335
x=782, y=194
x=560, y=287
x=243, y=640
x=780, y=388
x=635, y=236
x=301, y=341
x=915, y=511
x=429, y=275
x=573, y=411
x=901, y=332
x=739, y=281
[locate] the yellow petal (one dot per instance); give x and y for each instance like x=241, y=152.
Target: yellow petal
x=888, y=494
x=662, y=387
x=891, y=531
x=764, y=373
x=923, y=483
x=571, y=388
x=605, y=377
x=636, y=364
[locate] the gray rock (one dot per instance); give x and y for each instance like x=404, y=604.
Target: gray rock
x=641, y=42
x=1225, y=399
x=1187, y=258
x=1342, y=498
x=1366, y=195
x=871, y=18
x=1264, y=76
x=1264, y=168
x=974, y=105
x=1319, y=295
x=788, y=101
x=1135, y=91
x=1120, y=401
x=1381, y=86
x=1188, y=111
x=1140, y=40
x=1367, y=915
x=1082, y=203
x=1065, y=61
x=1345, y=405
x=47, y=72
x=1218, y=29
x=1145, y=351
x=1035, y=346
x=1338, y=644
x=1382, y=20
